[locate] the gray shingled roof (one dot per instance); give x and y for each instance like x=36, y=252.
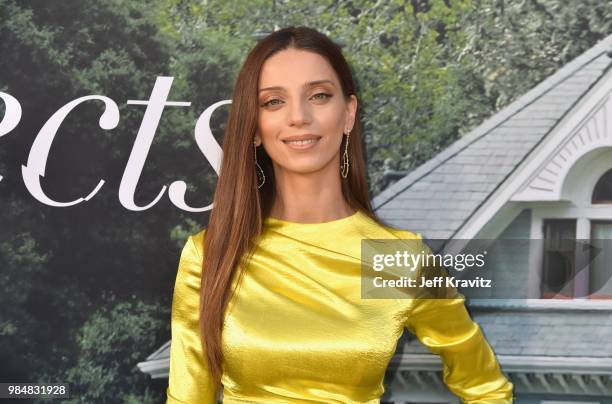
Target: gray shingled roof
x=536, y=333
x=438, y=197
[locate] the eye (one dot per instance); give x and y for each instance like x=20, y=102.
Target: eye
x=325, y=94
x=265, y=104
x=271, y=102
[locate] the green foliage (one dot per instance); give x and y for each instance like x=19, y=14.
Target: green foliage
x=429, y=70
x=57, y=264
x=109, y=344
x=22, y=266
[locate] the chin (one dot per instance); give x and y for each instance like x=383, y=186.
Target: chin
x=304, y=170
x=308, y=168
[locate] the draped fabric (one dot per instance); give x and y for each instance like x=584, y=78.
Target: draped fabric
x=297, y=329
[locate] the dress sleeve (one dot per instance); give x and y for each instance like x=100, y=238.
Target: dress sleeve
x=189, y=380
x=440, y=320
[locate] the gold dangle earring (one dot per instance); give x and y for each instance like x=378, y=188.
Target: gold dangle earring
x=345, y=160
x=259, y=171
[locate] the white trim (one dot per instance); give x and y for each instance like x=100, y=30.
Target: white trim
x=542, y=304
x=159, y=350
x=156, y=368
x=535, y=254
x=582, y=278
x=578, y=189
x=581, y=180
x=556, y=364
x=578, y=137
x=542, y=153
x=579, y=365
x=568, y=402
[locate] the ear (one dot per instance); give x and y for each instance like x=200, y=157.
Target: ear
x=351, y=112
x=257, y=139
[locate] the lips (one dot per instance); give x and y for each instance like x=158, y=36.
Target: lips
x=302, y=142
x=301, y=137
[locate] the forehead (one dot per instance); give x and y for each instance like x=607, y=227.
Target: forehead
x=292, y=68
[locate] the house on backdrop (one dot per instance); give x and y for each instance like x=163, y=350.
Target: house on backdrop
x=540, y=170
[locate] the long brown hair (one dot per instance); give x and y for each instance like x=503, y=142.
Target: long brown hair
x=240, y=207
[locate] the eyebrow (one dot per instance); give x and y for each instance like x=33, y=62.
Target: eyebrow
x=309, y=84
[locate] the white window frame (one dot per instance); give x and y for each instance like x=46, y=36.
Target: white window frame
x=577, y=192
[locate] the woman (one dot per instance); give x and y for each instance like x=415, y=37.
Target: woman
x=279, y=316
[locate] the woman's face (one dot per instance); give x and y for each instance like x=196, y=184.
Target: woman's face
x=299, y=94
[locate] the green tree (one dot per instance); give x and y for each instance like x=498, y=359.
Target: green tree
x=109, y=344
x=428, y=70
x=56, y=264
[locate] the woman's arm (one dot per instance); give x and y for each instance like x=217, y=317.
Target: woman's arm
x=443, y=325
x=188, y=379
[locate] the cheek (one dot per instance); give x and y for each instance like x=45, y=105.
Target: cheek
x=329, y=121
x=332, y=127
x=270, y=128
x=269, y=125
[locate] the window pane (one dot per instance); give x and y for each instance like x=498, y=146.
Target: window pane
x=600, y=275
x=602, y=193
x=558, y=262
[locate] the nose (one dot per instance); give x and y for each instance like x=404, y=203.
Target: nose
x=299, y=112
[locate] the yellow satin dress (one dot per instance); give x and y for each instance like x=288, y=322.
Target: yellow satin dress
x=298, y=331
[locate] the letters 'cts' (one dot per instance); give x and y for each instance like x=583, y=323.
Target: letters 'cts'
x=39, y=153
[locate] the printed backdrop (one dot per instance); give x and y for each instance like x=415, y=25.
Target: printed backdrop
x=111, y=117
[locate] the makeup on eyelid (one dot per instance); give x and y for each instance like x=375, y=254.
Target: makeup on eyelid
x=267, y=103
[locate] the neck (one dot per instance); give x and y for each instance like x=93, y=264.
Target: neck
x=310, y=197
